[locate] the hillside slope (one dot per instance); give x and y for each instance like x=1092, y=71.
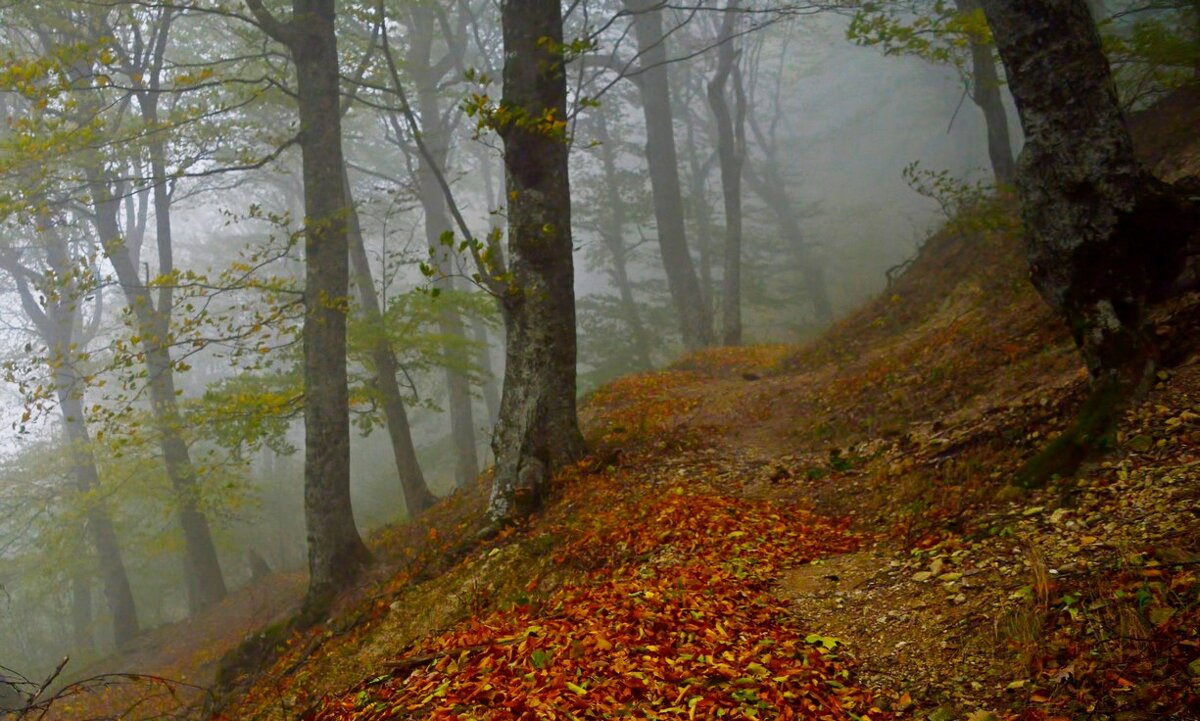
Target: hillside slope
x=816, y=532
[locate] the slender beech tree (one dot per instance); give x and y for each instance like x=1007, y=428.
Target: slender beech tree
x=58, y=320
x=151, y=308
x=986, y=94
x=417, y=497
x=650, y=74
x=428, y=74
x=613, y=235
x=731, y=152
x=538, y=430
x=336, y=553
x=1103, y=237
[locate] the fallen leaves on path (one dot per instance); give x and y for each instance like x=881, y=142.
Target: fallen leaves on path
x=673, y=618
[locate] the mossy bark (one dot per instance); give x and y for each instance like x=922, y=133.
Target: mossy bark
x=1103, y=237
x=538, y=430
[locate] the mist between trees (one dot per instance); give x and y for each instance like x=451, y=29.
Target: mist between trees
x=229, y=227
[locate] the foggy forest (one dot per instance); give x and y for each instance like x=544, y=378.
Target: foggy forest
x=529, y=359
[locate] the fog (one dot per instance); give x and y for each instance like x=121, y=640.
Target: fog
x=846, y=121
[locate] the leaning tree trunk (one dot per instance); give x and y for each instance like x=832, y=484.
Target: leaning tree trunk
x=203, y=579
x=117, y=591
x=538, y=431
x=985, y=92
x=694, y=319
x=336, y=554
x=1102, y=236
x=56, y=324
x=417, y=497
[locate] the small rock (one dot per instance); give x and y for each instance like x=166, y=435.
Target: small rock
x=922, y=576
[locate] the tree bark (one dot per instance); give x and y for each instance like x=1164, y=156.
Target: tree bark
x=1102, y=236
x=731, y=151
x=694, y=319
x=985, y=92
x=417, y=497
x=538, y=432
x=337, y=556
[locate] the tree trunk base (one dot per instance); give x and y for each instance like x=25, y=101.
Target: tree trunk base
x=1093, y=431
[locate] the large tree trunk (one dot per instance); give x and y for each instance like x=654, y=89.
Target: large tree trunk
x=336, y=554
x=614, y=240
x=731, y=151
x=538, y=432
x=417, y=497
x=985, y=91
x=1103, y=237
x=694, y=319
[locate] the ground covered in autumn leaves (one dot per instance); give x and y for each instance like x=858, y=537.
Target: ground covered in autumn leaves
x=824, y=532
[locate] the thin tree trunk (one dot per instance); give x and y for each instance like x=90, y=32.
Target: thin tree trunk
x=614, y=240
x=538, y=432
x=731, y=151
x=491, y=390
x=81, y=611
x=433, y=203
x=1103, y=237
x=417, y=496
x=336, y=554
x=117, y=591
x=202, y=570
x=203, y=579
x=702, y=215
x=985, y=92
x=694, y=319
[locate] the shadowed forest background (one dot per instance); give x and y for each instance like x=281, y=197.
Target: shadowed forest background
x=370, y=359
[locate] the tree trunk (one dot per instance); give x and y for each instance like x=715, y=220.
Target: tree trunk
x=694, y=319
x=117, y=591
x=81, y=611
x=702, y=215
x=491, y=390
x=57, y=326
x=450, y=324
x=337, y=556
x=769, y=186
x=985, y=92
x=614, y=240
x=1102, y=236
x=731, y=151
x=202, y=570
x=417, y=497
x=538, y=432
